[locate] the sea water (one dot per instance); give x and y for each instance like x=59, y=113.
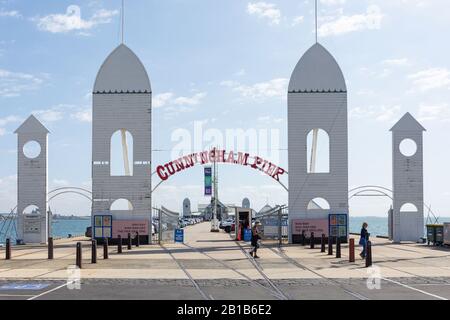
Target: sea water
x=378, y=226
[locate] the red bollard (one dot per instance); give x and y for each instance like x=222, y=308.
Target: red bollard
x=322, y=243
x=119, y=244
x=50, y=248
x=137, y=239
x=312, y=239
x=8, y=249
x=94, y=251
x=369, y=254
x=129, y=241
x=351, y=250
x=105, y=248
x=79, y=255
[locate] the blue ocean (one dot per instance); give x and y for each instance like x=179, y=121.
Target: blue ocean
x=378, y=226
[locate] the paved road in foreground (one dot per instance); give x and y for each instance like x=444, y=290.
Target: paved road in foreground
x=211, y=266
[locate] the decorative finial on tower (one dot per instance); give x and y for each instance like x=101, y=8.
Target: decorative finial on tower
x=316, y=21
x=123, y=19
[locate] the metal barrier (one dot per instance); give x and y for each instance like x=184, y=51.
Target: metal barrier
x=274, y=224
x=165, y=222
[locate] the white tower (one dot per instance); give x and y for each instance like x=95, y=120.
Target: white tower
x=122, y=100
x=187, y=208
x=317, y=108
x=32, y=182
x=407, y=156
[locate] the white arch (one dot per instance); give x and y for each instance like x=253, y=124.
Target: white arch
x=31, y=209
x=121, y=205
x=318, y=204
x=121, y=148
x=318, y=151
x=408, y=207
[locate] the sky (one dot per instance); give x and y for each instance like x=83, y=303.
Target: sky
x=217, y=67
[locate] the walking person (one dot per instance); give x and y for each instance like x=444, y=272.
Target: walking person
x=255, y=238
x=363, y=240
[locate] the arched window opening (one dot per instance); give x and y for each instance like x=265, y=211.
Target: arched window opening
x=318, y=151
x=121, y=205
x=408, y=207
x=121, y=153
x=318, y=204
x=31, y=210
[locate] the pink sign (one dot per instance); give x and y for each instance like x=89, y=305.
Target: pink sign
x=123, y=227
x=318, y=226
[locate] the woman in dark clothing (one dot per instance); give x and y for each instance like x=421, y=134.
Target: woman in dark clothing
x=255, y=238
x=363, y=240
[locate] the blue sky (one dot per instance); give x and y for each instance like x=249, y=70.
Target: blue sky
x=225, y=64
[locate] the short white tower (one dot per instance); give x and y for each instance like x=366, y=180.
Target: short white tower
x=32, y=182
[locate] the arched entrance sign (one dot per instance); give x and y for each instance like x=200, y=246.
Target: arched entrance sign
x=171, y=168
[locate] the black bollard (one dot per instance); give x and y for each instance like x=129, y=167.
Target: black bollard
x=338, y=247
x=94, y=251
x=330, y=246
x=137, y=239
x=368, y=254
x=78, y=255
x=50, y=248
x=105, y=248
x=312, y=240
x=8, y=249
x=322, y=243
x=129, y=241
x=119, y=244
x=303, y=238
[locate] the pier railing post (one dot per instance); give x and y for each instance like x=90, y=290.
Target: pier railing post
x=94, y=251
x=105, y=248
x=137, y=239
x=129, y=241
x=338, y=247
x=119, y=244
x=351, y=249
x=322, y=243
x=330, y=245
x=8, y=249
x=368, y=254
x=312, y=240
x=79, y=255
x=50, y=248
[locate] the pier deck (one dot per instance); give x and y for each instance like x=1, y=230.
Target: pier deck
x=212, y=266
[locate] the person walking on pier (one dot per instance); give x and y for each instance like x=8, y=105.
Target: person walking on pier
x=255, y=238
x=363, y=240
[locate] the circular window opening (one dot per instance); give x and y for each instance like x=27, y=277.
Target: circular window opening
x=408, y=147
x=32, y=149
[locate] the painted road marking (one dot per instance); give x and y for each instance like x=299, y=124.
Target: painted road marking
x=51, y=290
x=24, y=286
x=415, y=289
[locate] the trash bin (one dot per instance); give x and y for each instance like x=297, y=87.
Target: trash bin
x=439, y=235
x=447, y=233
x=431, y=233
x=248, y=235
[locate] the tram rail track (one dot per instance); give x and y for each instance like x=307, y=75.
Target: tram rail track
x=252, y=282
x=204, y=295
x=283, y=255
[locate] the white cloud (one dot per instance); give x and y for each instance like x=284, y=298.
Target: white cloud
x=162, y=99
x=2, y=132
x=265, y=10
x=72, y=20
x=12, y=84
x=429, y=79
x=378, y=113
x=298, y=20
x=440, y=112
x=333, y=2
x=371, y=20
x=401, y=62
x=190, y=101
x=261, y=91
x=83, y=116
x=10, y=14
